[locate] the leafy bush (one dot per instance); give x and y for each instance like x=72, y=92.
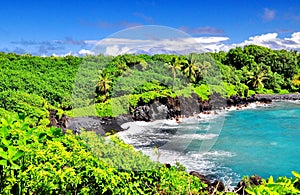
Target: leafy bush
x=264, y=91
x=251, y=92
x=31, y=105
x=284, y=91
x=230, y=89
x=281, y=186
x=202, y=91
x=42, y=160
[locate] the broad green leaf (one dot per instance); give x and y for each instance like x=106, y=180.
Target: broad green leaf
x=11, y=150
x=3, y=154
x=3, y=162
x=17, y=155
x=25, y=126
x=14, y=166
x=4, y=131
x=5, y=141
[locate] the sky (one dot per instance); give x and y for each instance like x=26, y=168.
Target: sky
x=77, y=27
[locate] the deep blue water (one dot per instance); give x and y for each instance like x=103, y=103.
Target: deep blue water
x=263, y=141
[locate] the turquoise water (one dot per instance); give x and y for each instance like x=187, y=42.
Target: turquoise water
x=264, y=141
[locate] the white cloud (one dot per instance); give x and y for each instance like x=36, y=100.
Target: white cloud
x=112, y=50
x=271, y=40
x=295, y=38
x=183, y=45
x=116, y=46
x=86, y=52
x=70, y=53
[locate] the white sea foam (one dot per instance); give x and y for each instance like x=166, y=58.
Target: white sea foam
x=253, y=105
x=292, y=101
x=197, y=136
x=212, y=154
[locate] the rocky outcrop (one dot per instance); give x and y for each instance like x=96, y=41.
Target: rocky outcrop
x=100, y=125
x=167, y=108
x=212, y=187
x=162, y=108
x=254, y=180
x=142, y=113
x=87, y=123
x=239, y=101
x=217, y=185
x=56, y=121
x=201, y=177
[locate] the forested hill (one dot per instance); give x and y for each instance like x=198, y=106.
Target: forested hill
x=33, y=84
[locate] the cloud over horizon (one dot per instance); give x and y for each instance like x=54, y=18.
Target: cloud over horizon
x=152, y=45
x=271, y=40
x=182, y=45
x=116, y=46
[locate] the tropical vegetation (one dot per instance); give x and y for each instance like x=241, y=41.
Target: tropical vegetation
x=37, y=159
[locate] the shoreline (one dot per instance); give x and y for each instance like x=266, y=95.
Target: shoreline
x=167, y=109
x=281, y=97
x=169, y=159
x=203, y=116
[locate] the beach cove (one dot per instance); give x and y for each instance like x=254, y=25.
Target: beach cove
x=259, y=139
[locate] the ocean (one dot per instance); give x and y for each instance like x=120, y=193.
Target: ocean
x=226, y=145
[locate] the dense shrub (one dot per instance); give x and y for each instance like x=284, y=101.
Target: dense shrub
x=42, y=160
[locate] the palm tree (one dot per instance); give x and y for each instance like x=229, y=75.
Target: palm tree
x=257, y=77
x=175, y=64
x=191, y=67
x=104, y=85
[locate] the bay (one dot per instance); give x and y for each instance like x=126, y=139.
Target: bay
x=228, y=145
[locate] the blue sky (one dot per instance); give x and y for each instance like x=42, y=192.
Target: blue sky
x=70, y=26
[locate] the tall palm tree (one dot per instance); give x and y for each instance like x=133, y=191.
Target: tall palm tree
x=257, y=77
x=191, y=67
x=104, y=85
x=175, y=65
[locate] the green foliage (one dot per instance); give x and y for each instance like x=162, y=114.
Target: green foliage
x=147, y=177
x=113, y=107
x=230, y=89
x=186, y=92
x=265, y=91
x=72, y=82
x=202, y=91
x=251, y=92
x=283, y=91
x=281, y=186
x=42, y=160
x=31, y=105
x=83, y=111
x=117, y=154
x=260, y=68
x=50, y=77
x=104, y=109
